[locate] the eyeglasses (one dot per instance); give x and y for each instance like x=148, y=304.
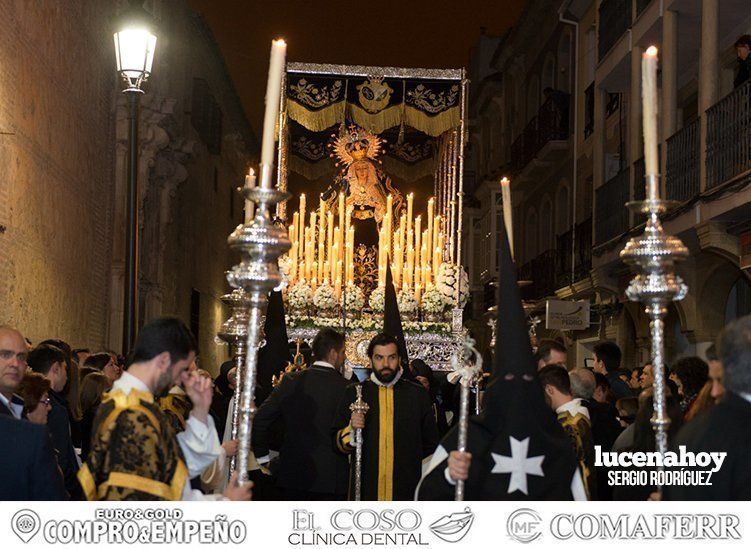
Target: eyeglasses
x=46, y=402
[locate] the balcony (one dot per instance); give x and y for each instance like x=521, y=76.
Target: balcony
x=583, y=257
x=541, y=272
x=551, y=125
x=611, y=215
x=729, y=137
x=682, y=172
x=615, y=19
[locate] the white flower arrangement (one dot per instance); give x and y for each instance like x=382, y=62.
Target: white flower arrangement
x=432, y=301
x=355, y=298
x=446, y=284
x=377, y=299
x=285, y=264
x=407, y=302
x=299, y=295
x=324, y=299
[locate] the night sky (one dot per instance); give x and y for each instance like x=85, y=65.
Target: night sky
x=401, y=33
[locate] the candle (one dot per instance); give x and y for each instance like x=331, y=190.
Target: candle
x=402, y=231
x=436, y=261
x=507, y=212
x=389, y=208
x=410, y=199
x=418, y=234
x=397, y=270
x=436, y=231
x=329, y=230
x=417, y=291
x=649, y=112
x=271, y=113
x=430, y=223
x=250, y=182
x=410, y=263
x=338, y=279
x=301, y=221
x=293, y=258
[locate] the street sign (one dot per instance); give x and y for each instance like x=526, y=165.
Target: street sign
x=566, y=315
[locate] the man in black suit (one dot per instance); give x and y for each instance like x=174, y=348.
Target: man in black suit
x=724, y=427
x=12, y=369
x=28, y=470
x=306, y=403
x=50, y=362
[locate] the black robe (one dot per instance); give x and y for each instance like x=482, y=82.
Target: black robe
x=722, y=428
x=400, y=431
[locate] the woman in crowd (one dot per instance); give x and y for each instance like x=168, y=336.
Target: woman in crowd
x=93, y=387
x=690, y=374
x=34, y=390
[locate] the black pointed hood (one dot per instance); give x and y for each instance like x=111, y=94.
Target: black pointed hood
x=274, y=355
x=516, y=426
x=392, y=320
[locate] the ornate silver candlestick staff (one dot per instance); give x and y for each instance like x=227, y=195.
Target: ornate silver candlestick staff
x=468, y=375
x=359, y=406
x=260, y=244
x=234, y=332
x=654, y=254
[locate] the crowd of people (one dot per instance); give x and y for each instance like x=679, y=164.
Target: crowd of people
x=79, y=425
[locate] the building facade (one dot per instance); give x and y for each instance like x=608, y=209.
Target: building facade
x=571, y=175
x=64, y=151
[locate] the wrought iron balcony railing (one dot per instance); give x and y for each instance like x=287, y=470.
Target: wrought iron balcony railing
x=682, y=171
x=729, y=136
x=611, y=215
x=583, y=258
x=550, y=124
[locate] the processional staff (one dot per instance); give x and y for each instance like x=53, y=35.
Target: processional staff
x=469, y=374
x=260, y=244
x=654, y=254
x=359, y=406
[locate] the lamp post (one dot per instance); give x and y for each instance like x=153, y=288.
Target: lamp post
x=135, y=43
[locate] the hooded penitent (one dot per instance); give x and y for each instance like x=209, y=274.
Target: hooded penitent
x=519, y=451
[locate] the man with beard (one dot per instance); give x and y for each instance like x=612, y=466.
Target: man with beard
x=399, y=429
x=135, y=453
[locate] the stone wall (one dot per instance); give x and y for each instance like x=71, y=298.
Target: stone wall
x=63, y=174
x=57, y=82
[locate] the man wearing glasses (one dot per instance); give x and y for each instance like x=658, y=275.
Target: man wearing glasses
x=12, y=369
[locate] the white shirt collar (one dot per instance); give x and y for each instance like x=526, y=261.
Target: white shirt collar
x=747, y=396
x=15, y=408
x=324, y=364
x=129, y=382
x=391, y=383
x=573, y=407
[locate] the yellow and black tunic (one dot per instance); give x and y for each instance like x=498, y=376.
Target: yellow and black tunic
x=177, y=407
x=400, y=431
x=134, y=452
x=579, y=430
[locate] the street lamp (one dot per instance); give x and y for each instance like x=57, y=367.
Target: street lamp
x=135, y=43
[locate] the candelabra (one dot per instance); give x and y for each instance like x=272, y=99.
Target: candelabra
x=653, y=255
x=260, y=243
x=234, y=332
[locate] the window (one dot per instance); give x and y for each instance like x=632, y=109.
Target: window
x=565, y=48
x=206, y=116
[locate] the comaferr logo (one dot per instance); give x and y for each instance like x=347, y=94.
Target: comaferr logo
x=588, y=526
x=524, y=525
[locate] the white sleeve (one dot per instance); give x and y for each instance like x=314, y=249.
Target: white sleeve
x=200, y=445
